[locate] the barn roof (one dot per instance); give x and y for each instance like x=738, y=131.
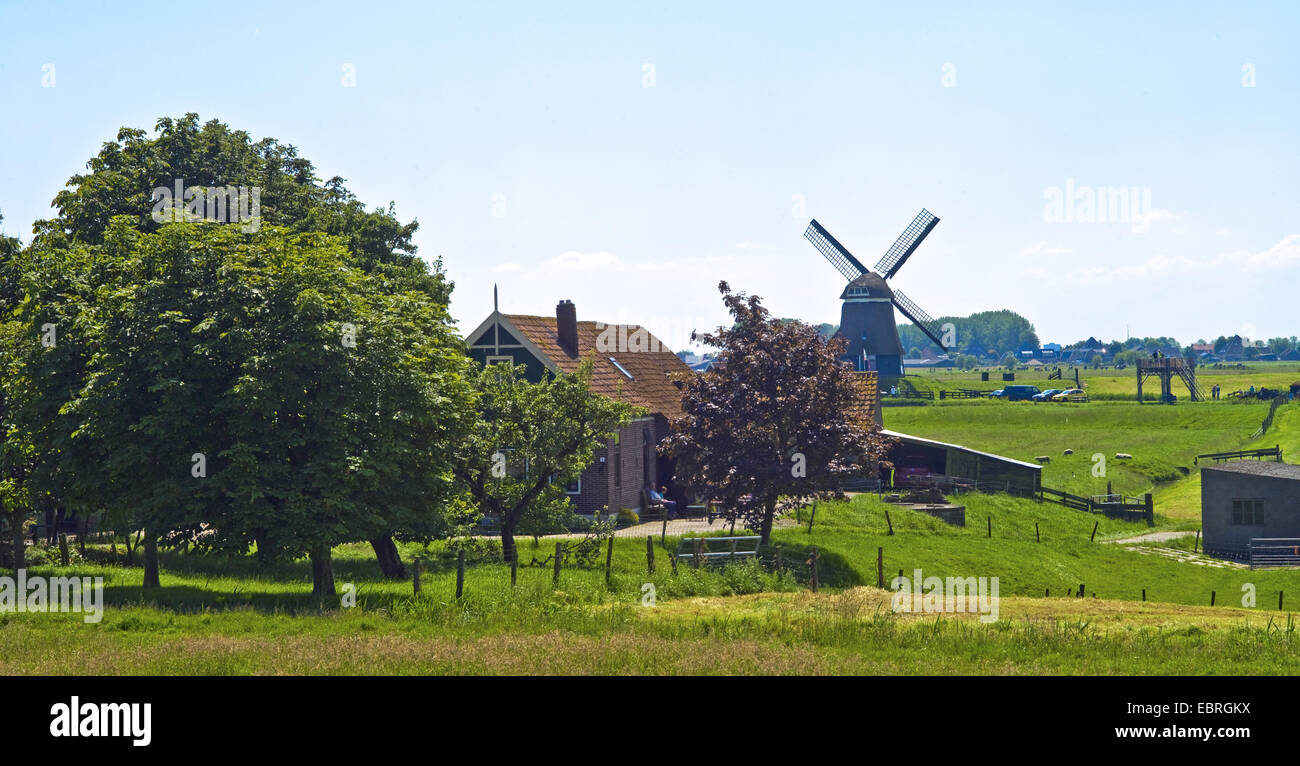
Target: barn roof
x=648, y=366
x=1258, y=468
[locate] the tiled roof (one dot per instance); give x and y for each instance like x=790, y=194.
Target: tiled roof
x=651, y=371
x=868, y=403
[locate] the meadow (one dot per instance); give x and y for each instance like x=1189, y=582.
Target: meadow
x=1112, y=383
x=214, y=618
x=216, y=615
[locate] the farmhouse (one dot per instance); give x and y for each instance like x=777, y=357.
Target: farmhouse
x=631, y=365
x=1249, y=508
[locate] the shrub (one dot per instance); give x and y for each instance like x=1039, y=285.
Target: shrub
x=628, y=517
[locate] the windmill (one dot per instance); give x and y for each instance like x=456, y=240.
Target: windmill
x=867, y=316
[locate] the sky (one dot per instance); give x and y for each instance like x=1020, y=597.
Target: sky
x=629, y=156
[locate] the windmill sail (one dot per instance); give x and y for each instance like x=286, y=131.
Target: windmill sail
x=919, y=318
x=836, y=253
x=907, y=242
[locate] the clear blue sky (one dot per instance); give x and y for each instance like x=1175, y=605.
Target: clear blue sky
x=634, y=201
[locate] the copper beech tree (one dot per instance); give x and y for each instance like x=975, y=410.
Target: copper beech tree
x=777, y=423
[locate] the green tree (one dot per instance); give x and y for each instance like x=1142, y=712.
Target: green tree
x=116, y=196
x=777, y=424
x=530, y=440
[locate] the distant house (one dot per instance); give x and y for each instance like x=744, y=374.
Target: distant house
x=631, y=365
x=1290, y=356
x=1245, y=503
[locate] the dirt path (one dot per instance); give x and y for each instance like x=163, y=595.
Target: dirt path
x=1151, y=537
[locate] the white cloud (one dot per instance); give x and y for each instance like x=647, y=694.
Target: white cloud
x=1042, y=248
x=572, y=260
x=1281, y=255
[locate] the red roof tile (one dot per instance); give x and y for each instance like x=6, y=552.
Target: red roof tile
x=651, y=364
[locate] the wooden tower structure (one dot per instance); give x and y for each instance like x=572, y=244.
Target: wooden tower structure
x=1166, y=368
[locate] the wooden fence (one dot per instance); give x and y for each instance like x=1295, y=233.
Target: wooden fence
x=1111, y=506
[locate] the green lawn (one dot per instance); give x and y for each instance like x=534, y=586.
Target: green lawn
x=1112, y=383
x=213, y=616
x=1163, y=439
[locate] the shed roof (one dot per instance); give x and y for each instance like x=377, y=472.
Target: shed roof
x=1268, y=468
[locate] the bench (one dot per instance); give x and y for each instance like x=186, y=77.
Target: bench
x=651, y=510
x=717, y=550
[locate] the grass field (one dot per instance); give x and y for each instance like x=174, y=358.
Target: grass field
x=1162, y=439
x=223, y=616
x=1111, y=383
x=208, y=620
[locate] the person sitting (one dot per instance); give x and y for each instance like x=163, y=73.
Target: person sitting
x=670, y=506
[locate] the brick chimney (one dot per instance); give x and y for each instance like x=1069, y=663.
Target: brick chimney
x=566, y=326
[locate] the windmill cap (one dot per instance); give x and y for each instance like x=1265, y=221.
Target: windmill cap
x=871, y=282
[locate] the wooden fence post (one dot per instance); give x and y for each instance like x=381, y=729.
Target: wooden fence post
x=663, y=532
x=460, y=573
x=1080, y=590
x=880, y=568
x=1037, y=538
x=1196, y=547
x=1144, y=594
x=415, y=575
x=559, y=554
x=609, y=559
x=650, y=553
x=1211, y=598
x=890, y=522
x=1151, y=513
x=811, y=516
x=814, y=570
x=990, y=526
x=514, y=566
x=1279, y=601
x=1093, y=538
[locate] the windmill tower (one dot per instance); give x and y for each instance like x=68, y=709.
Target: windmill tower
x=867, y=316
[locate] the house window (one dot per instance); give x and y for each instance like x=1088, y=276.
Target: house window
x=572, y=488
x=1247, y=512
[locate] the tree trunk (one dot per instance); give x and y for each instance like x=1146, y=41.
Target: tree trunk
x=390, y=561
x=150, y=560
x=20, y=543
x=769, y=511
x=322, y=572
x=507, y=542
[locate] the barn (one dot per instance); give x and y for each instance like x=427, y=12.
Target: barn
x=1250, y=510
x=918, y=460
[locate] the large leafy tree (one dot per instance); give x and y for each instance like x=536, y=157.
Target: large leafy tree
x=530, y=440
x=113, y=199
x=777, y=423
x=255, y=389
